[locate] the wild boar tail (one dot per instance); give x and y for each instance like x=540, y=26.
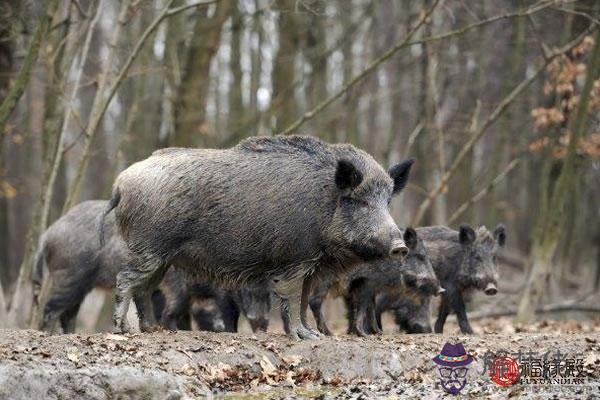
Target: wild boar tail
x=37, y=276
x=112, y=203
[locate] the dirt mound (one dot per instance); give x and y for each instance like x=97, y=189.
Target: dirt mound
x=167, y=365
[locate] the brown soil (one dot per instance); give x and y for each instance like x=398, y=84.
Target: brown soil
x=169, y=365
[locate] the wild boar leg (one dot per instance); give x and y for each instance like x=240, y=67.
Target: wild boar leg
x=316, y=306
x=442, y=313
x=319, y=292
x=458, y=304
x=373, y=320
x=139, y=278
x=285, y=316
x=143, y=305
x=291, y=292
x=307, y=286
x=68, y=319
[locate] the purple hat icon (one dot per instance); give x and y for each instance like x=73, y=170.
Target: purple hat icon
x=453, y=355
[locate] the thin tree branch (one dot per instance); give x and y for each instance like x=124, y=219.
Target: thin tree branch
x=177, y=10
x=371, y=67
x=100, y=110
x=481, y=194
x=59, y=150
x=542, y=5
x=496, y=113
x=407, y=43
x=80, y=9
x=278, y=102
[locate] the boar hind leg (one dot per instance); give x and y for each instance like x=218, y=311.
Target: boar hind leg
x=143, y=302
x=176, y=305
x=374, y=320
x=318, y=294
x=138, y=280
x=294, y=295
x=316, y=306
x=285, y=316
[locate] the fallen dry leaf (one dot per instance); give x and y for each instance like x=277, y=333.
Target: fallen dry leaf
x=74, y=357
x=292, y=360
x=188, y=370
x=113, y=336
x=267, y=366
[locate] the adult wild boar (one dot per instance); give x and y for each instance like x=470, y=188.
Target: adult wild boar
x=463, y=261
x=69, y=249
x=271, y=208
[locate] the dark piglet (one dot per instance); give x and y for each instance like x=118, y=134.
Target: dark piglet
x=212, y=308
x=411, y=305
x=412, y=280
x=368, y=289
x=209, y=307
x=463, y=260
x=275, y=209
x=412, y=313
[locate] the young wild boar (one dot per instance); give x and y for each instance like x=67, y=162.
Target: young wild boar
x=254, y=302
x=181, y=301
x=463, y=261
x=212, y=308
x=366, y=289
x=274, y=209
x=412, y=313
x=411, y=305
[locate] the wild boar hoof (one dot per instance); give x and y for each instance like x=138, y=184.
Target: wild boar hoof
x=315, y=332
x=122, y=328
x=151, y=328
x=302, y=333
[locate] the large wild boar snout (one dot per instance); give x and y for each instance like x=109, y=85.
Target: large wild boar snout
x=398, y=249
x=490, y=289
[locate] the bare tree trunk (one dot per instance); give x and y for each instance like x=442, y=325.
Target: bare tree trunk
x=256, y=71
x=21, y=304
x=236, y=104
x=98, y=107
x=284, y=71
x=548, y=233
x=17, y=89
x=190, y=109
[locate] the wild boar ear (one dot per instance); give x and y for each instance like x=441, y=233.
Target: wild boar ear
x=347, y=176
x=410, y=238
x=399, y=174
x=500, y=235
x=466, y=234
